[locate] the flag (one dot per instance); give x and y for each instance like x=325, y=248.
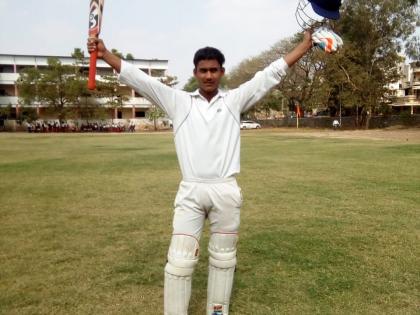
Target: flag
x=298, y=111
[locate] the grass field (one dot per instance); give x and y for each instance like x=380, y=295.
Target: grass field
x=328, y=226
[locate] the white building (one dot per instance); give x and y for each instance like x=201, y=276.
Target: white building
x=406, y=92
x=12, y=65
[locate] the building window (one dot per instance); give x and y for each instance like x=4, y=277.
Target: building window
x=140, y=114
x=21, y=69
x=6, y=69
x=119, y=114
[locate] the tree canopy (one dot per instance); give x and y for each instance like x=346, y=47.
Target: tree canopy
x=375, y=34
x=62, y=89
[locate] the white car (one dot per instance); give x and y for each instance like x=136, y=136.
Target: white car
x=248, y=124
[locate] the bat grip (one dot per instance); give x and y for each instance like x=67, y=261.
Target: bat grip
x=92, y=70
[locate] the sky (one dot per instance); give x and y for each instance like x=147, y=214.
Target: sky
x=162, y=29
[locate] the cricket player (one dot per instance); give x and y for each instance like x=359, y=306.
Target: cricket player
x=207, y=139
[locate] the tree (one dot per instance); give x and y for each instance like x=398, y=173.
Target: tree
x=246, y=70
x=154, y=113
x=191, y=85
x=117, y=53
x=79, y=55
x=412, y=48
x=272, y=102
x=301, y=84
x=28, y=85
x=111, y=89
x=6, y=112
x=374, y=32
x=129, y=57
x=62, y=88
x=169, y=80
x=86, y=105
x=53, y=86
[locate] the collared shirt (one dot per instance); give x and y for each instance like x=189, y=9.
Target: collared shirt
x=207, y=134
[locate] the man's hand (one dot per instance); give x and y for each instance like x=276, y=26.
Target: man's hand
x=307, y=40
x=96, y=44
x=103, y=53
x=327, y=40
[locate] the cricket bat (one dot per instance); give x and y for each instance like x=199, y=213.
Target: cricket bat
x=95, y=23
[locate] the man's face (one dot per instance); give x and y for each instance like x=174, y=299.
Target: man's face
x=208, y=74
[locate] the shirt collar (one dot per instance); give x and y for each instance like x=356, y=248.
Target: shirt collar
x=220, y=93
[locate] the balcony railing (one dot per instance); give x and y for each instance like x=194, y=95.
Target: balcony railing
x=11, y=78
x=406, y=85
x=416, y=85
x=132, y=101
x=409, y=100
x=8, y=78
x=6, y=100
x=138, y=101
x=416, y=69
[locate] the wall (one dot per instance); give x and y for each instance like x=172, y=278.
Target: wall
x=346, y=122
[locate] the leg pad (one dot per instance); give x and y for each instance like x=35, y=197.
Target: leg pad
x=182, y=258
x=222, y=262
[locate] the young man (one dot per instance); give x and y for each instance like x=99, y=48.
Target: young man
x=207, y=140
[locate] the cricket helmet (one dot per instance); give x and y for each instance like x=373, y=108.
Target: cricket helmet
x=310, y=13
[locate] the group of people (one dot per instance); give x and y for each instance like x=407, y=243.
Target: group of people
x=102, y=127
x=41, y=126
x=49, y=126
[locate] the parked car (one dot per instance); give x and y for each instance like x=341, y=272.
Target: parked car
x=248, y=124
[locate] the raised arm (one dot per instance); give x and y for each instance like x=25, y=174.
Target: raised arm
x=300, y=50
x=151, y=88
x=103, y=53
x=249, y=93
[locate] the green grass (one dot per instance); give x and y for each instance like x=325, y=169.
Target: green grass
x=328, y=226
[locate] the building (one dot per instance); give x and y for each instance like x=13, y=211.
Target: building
x=135, y=108
x=406, y=92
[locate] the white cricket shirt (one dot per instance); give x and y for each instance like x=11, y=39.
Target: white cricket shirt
x=207, y=134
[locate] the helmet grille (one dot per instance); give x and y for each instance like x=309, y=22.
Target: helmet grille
x=306, y=17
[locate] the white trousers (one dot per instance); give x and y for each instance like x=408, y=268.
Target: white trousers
x=220, y=202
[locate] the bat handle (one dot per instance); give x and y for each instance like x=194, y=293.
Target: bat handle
x=92, y=70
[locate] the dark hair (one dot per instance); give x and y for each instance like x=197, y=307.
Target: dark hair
x=209, y=53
